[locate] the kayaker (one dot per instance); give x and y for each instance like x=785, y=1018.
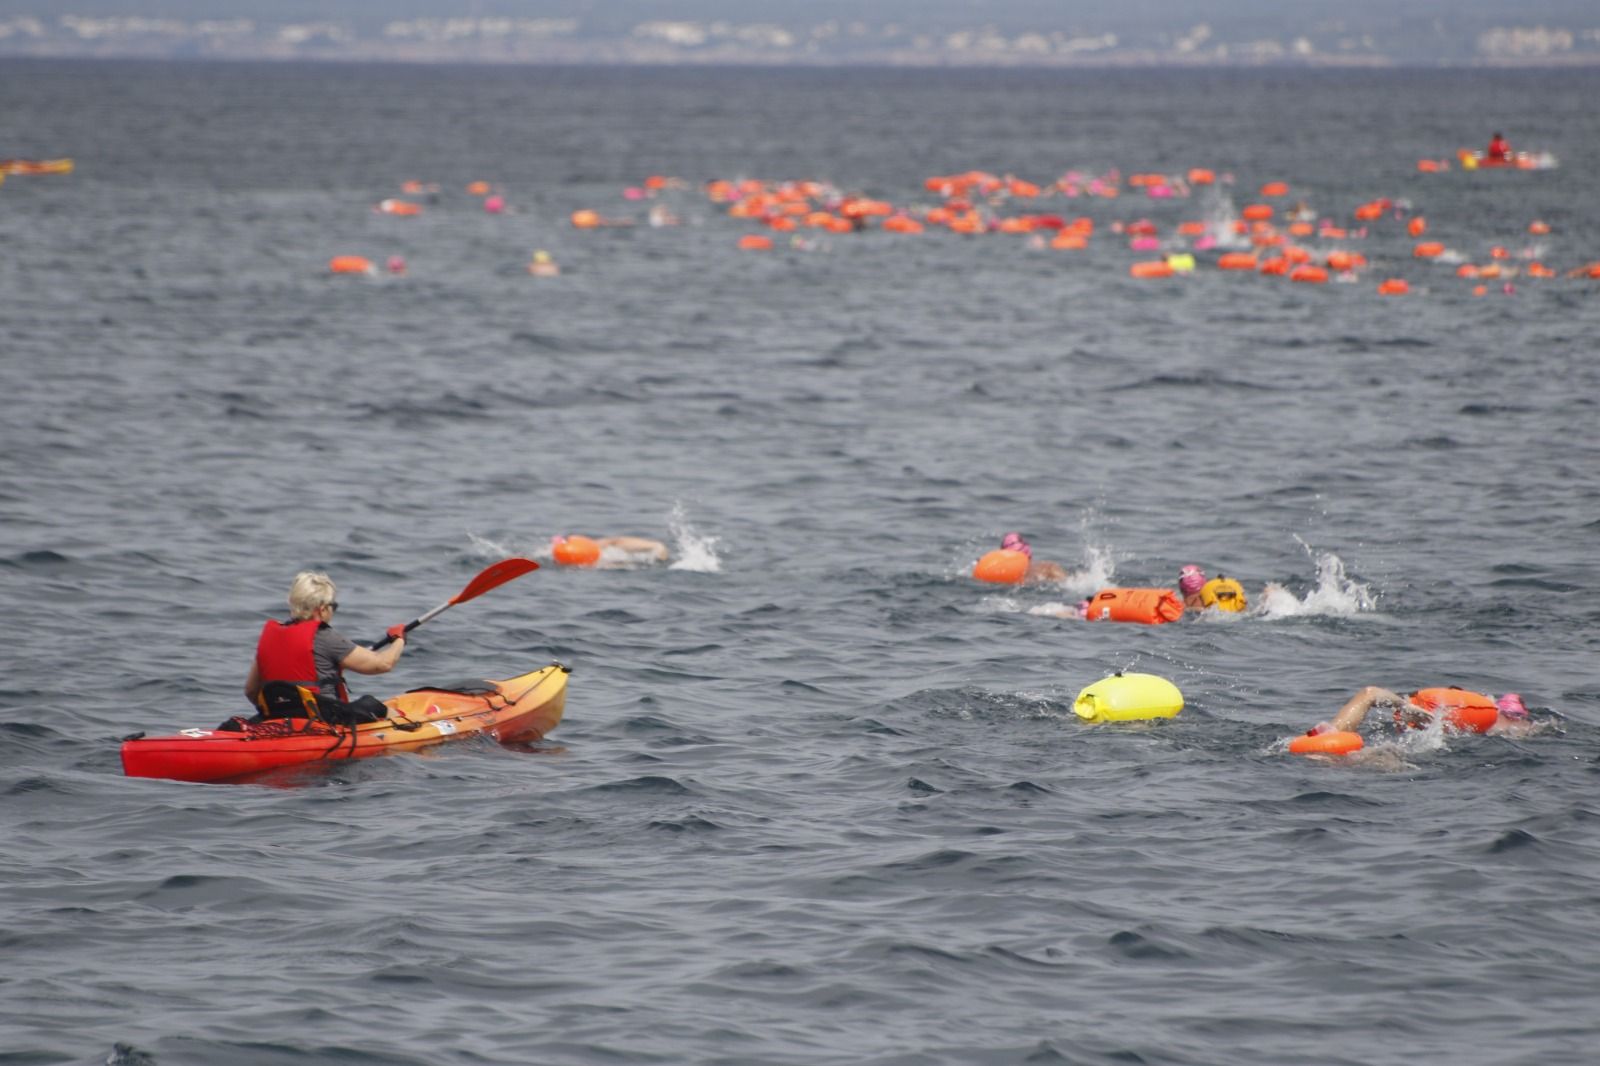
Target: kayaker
x=307, y=651
x=1510, y=713
x=1499, y=148
x=1039, y=570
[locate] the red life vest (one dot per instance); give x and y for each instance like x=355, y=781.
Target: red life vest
x=284, y=654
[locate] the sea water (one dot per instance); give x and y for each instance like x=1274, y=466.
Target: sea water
x=818, y=797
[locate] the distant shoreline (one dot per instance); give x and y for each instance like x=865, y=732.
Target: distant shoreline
x=1131, y=61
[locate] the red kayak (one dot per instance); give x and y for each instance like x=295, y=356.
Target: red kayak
x=520, y=709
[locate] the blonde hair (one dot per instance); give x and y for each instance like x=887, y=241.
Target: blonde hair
x=309, y=592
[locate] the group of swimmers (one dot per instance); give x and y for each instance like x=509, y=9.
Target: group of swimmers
x=307, y=653
x=1505, y=715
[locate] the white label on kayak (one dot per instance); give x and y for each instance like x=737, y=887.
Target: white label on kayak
x=195, y=732
x=445, y=728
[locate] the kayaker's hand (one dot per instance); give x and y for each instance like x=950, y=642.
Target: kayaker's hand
x=397, y=633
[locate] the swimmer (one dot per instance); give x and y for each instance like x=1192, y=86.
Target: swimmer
x=1221, y=592
x=632, y=549
x=1038, y=570
x=1499, y=148
x=542, y=266
x=1511, y=715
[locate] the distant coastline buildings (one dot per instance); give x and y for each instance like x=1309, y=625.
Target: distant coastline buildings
x=829, y=43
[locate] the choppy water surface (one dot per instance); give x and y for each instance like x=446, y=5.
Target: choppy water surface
x=818, y=797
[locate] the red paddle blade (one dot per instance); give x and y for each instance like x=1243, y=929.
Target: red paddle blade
x=495, y=576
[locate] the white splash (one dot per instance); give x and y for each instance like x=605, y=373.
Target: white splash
x=486, y=548
x=1336, y=595
x=693, y=551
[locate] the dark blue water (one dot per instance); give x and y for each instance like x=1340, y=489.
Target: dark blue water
x=818, y=797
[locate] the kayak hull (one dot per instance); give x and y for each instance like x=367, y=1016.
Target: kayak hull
x=517, y=710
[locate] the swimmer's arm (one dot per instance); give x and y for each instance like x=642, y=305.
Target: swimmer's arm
x=1046, y=571
x=1354, y=712
x=641, y=545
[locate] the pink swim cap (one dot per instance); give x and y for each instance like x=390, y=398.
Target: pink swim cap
x=1190, y=579
x=1511, y=706
x=1013, y=542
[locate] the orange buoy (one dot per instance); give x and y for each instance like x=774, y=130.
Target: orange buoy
x=1339, y=259
x=1144, y=606
x=478, y=188
x=1236, y=261
x=1069, y=240
x=1417, y=226
x=1152, y=268
x=1428, y=250
x=1275, y=188
x=1471, y=712
x=755, y=242
x=1256, y=212
x=574, y=551
x=1393, y=287
x=402, y=208
x=1466, y=270
x=1337, y=742
x=585, y=218
x=1428, y=166
x=1002, y=567
x=1276, y=265
x=1371, y=210
x=1539, y=270
x=1309, y=274
x=1202, y=176
x=350, y=264
x=1538, y=229
x=1301, y=229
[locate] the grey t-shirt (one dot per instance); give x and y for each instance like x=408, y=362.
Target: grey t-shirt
x=329, y=649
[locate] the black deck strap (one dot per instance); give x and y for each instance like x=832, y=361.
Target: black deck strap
x=464, y=688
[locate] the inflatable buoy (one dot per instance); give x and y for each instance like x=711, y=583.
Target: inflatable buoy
x=1002, y=567
x=1157, y=268
x=350, y=264
x=1223, y=593
x=1237, y=261
x=1394, y=287
x=1144, y=606
x=1308, y=274
x=1256, y=212
x=575, y=551
x=1417, y=226
x=1334, y=743
x=1471, y=712
x=1128, y=698
x=755, y=242
x=1275, y=188
x=1428, y=250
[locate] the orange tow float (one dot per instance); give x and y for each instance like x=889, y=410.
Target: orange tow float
x=1143, y=606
